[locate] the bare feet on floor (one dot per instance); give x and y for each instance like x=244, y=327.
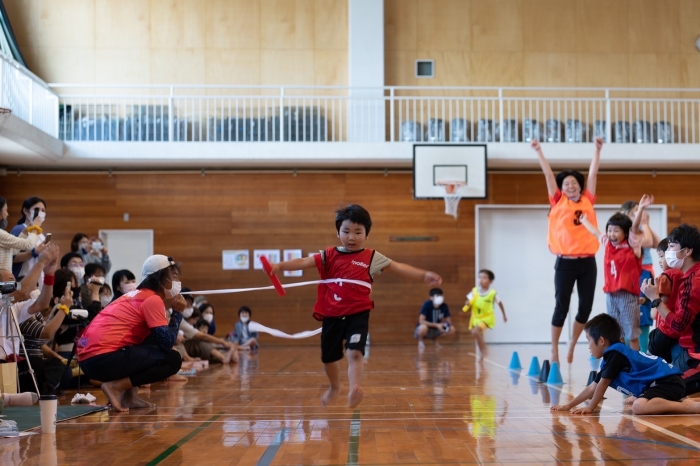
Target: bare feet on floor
x=114, y=396
x=177, y=378
x=329, y=396
x=227, y=357
x=694, y=404
x=131, y=400
x=355, y=396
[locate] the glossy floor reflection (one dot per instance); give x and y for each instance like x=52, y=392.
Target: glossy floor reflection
x=439, y=407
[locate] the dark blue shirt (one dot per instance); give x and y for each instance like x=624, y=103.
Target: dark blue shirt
x=433, y=314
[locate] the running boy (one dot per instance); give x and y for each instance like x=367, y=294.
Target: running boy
x=344, y=307
x=663, y=338
x=657, y=385
x=622, y=269
x=481, y=302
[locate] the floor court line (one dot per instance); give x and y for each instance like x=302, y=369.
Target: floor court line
x=272, y=449
x=354, y=441
x=289, y=364
x=170, y=450
x=659, y=429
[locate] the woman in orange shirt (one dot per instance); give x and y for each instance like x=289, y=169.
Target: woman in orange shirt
x=570, y=198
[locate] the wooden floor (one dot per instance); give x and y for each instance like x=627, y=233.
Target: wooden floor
x=436, y=408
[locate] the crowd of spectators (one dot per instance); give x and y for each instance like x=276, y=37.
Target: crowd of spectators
x=76, y=328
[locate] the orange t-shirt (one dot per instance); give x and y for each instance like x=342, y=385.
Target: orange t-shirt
x=567, y=235
x=125, y=322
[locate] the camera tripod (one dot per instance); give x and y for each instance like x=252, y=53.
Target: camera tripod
x=12, y=332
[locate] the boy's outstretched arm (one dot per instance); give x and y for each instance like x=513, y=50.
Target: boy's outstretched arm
x=595, y=399
x=408, y=271
x=592, y=181
x=546, y=169
x=294, y=264
x=586, y=394
x=589, y=226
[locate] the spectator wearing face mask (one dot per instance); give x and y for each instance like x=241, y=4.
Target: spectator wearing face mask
x=93, y=272
x=434, y=319
x=24, y=260
x=130, y=343
x=123, y=281
x=207, y=312
x=106, y=295
x=92, y=250
x=241, y=335
x=65, y=337
x=200, y=344
x=74, y=263
x=11, y=245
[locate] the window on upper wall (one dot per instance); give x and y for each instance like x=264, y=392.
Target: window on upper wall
x=425, y=68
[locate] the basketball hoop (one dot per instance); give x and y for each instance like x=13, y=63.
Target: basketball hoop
x=452, y=196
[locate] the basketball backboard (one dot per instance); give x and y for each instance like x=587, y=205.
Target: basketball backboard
x=434, y=164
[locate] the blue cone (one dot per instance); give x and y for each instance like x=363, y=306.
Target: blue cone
x=515, y=362
x=534, y=367
x=555, y=375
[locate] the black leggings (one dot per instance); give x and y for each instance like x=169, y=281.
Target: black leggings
x=142, y=364
x=582, y=272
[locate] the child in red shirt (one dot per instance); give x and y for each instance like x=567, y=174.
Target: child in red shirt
x=663, y=338
x=344, y=307
x=622, y=269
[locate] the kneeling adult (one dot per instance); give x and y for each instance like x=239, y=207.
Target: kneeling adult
x=130, y=343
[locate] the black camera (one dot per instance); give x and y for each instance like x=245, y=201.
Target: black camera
x=9, y=287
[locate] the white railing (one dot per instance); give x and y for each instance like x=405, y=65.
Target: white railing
x=29, y=98
x=393, y=114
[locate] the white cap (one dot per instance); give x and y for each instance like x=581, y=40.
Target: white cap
x=153, y=264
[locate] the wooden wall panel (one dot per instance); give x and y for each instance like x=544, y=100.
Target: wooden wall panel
x=184, y=41
x=195, y=218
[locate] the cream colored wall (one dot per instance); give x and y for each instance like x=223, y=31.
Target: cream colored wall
x=625, y=43
x=300, y=42
x=621, y=43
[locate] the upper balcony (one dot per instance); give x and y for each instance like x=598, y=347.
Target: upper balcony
x=181, y=126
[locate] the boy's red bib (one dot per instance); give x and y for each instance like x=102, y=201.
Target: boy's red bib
x=622, y=268
x=342, y=299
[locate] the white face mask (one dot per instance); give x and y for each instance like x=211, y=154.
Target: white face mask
x=174, y=289
x=673, y=261
x=79, y=272
x=208, y=317
x=187, y=313
x=100, y=280
x=245, y=319
x=97, y=246
x=42, y=216
x=438, y=300
x=105, y=300
x=34, y=294
x=128, y=287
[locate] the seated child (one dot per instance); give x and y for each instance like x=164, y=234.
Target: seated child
x=657, y=385
x=663, y=338
x=622, y=269
x=480, y=301
x=244, y=338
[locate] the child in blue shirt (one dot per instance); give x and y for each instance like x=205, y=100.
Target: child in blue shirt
x=656, y=384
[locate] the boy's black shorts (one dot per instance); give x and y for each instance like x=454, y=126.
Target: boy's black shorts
x=353, y=329
x=670, y=388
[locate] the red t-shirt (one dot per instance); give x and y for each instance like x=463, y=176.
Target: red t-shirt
x=125, y=322
x=687, y=308
x=622, y=268
x=669, y=284
x=341, y=299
